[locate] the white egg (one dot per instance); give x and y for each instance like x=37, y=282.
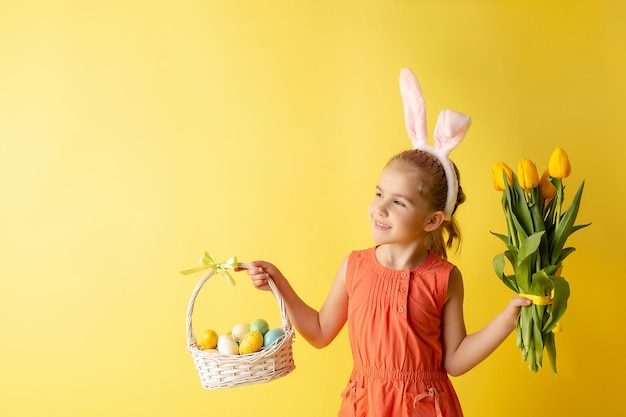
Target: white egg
x=227, y=345
x=239, y=330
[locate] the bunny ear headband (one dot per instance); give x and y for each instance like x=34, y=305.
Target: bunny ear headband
x=450, y=129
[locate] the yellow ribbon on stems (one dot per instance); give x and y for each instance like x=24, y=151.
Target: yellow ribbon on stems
x=540, y=300
x=544, y=300
x=208, y=261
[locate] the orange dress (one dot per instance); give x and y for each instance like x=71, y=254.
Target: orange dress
x=394, y=325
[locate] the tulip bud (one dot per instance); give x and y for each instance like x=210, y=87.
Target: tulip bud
x=498, y=181
x=559, y=164
x=547, y=189
x=527, y=174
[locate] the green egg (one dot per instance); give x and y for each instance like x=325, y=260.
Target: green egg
x=260, y=325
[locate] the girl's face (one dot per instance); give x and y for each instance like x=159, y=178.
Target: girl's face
x=398, y=214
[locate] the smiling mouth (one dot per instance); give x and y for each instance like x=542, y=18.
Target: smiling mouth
x=381, y=225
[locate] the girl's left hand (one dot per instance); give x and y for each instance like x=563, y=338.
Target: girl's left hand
x=513, y=308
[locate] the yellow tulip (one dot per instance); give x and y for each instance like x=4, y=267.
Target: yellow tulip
x=558, y=165
x=527, y=174
x=498, y=181
x=547, y=189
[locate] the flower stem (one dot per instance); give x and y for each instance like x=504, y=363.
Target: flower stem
x=559, y=202
x=506, y=204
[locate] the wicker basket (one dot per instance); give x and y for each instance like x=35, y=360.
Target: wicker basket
x=228, y=371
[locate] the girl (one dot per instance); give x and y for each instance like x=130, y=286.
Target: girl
x=402, y=300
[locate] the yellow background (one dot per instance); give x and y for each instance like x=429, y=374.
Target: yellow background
x=135, y=135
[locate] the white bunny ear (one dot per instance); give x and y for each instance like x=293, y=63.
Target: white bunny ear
x=450, y=129
x=414, y=108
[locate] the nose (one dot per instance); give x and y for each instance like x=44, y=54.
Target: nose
x=380, y=207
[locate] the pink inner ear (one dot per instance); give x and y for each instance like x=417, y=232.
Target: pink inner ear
x=450, y=129
x=414, y=108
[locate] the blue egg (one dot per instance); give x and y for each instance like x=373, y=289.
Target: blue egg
x=272, y=336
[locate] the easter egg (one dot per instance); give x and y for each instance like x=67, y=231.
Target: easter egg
x=226, y=345
x=208, y=339
x=251, y=342
x=239, y=330
x=272, y=336
x=260, y=325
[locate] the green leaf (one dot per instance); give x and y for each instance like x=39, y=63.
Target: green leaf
x=532, y=363
x=538, y=337
x=513, y=249
x=564, y=226
x=549, y=212
x=522, y=274
x=559, y=302
x=506, y=206
x=503, y=238
x=519, y=229
x=551, y=269
x=550, y=344
x=519, y=206
x=518, y=333
x=539, y=225
x=564, y=254
x=541, y=284
x=526, y=323
x=498, y=267
x=513, y=280
x=530, y=245
x=498, y=264
x=578, y=227
x=511, y=255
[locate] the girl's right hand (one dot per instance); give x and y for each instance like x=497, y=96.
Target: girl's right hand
x=260, y=272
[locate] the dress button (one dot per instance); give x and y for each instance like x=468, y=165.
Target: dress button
x=401, y=309
x=403, y=274
x=403, y=289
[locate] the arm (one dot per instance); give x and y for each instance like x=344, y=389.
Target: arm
x=462, y=352
x=319, y=328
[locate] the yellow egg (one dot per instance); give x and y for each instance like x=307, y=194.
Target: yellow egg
x=251, y=342
x=208, y=339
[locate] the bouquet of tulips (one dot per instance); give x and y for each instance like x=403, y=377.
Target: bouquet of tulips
x=538, y=227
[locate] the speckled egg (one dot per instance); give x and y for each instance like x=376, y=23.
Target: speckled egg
x=251, y=342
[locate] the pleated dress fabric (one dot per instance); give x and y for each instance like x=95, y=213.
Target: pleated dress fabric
x=394, y=325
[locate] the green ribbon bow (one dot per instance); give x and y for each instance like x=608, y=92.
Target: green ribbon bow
x=209, y=262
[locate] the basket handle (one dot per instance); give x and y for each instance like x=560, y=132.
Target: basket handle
x=191, y=337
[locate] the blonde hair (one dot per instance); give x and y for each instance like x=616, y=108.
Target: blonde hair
x=434, y=190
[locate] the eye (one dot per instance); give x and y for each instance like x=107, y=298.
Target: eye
x=399, y=203
x=379, y=194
